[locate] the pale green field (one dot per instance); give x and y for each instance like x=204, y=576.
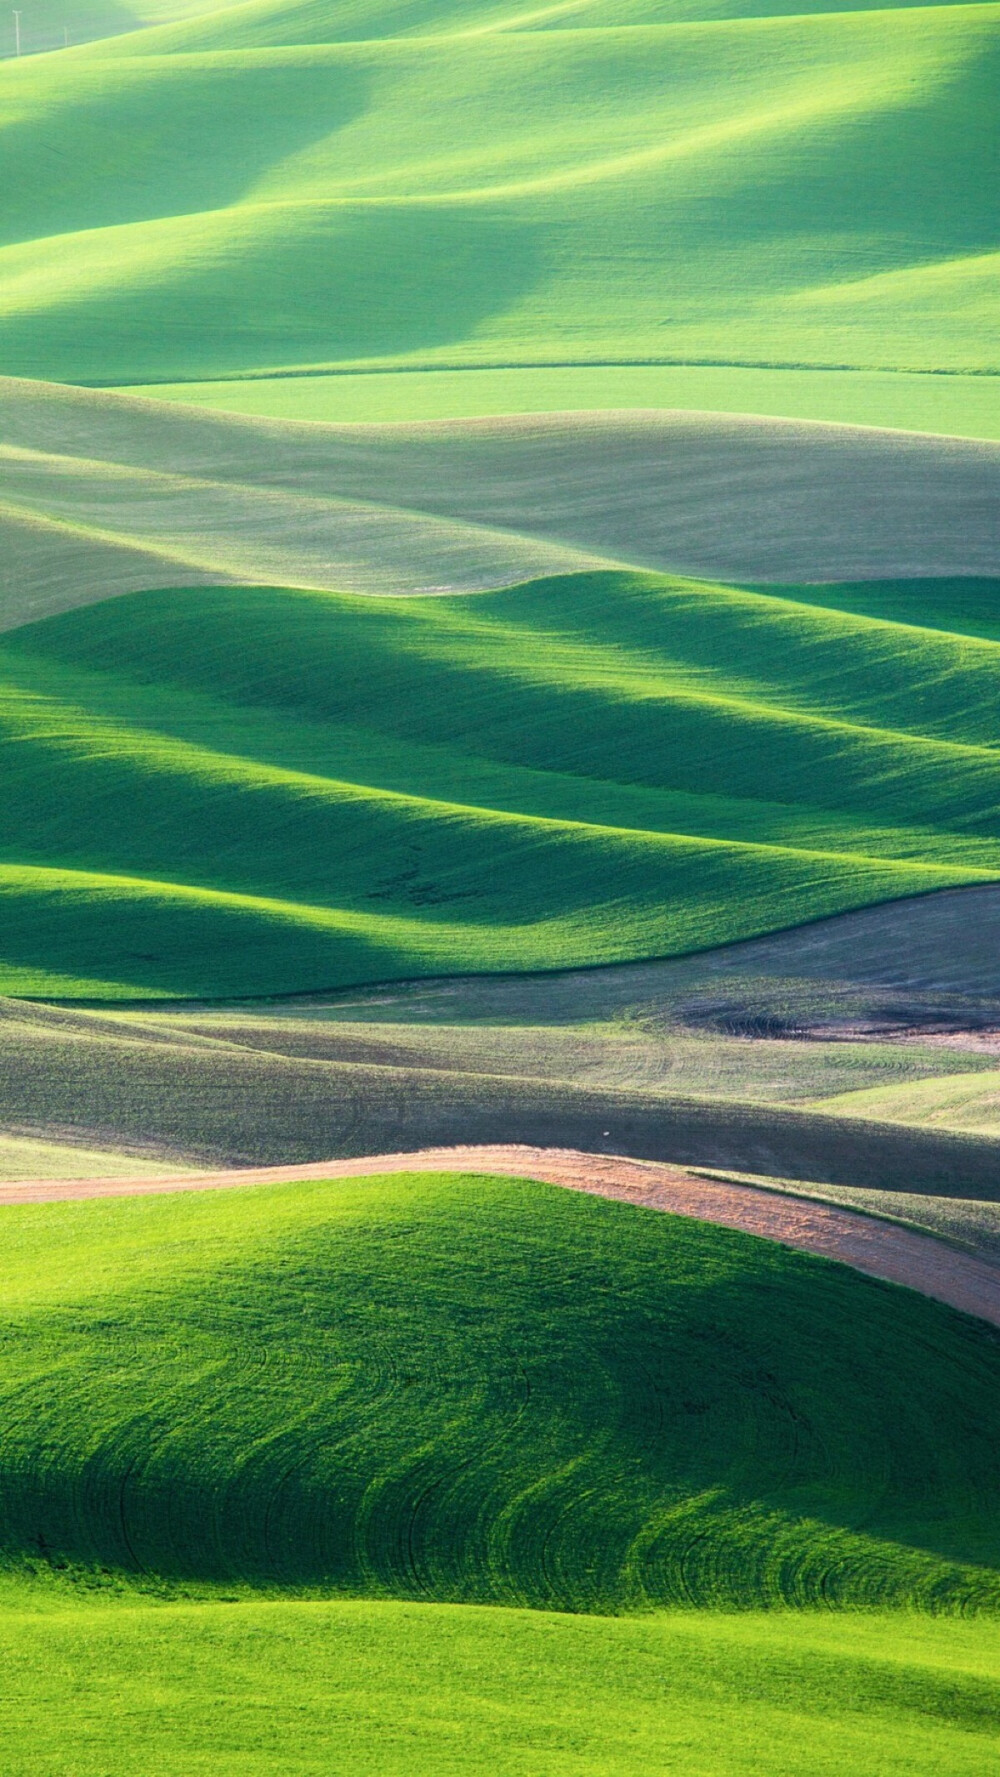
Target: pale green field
x=434, y=185
x=964, y=406
x=968, y=1101
x=396, y=1690
x=106, y=493
x=30, y=1156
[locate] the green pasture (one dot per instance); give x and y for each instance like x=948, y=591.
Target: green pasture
x=570, y=772
x=474, y=1390
x=964, y=406
x=264, y=188
x=267, y=1455
x=393, y=1690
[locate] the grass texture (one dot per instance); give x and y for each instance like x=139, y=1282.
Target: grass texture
x=963, y=406
x=954, y=1101
x=265, y=187
x=571, y=772
x=234, y=1089
x=390, y=1690
x=485, y=1391
x=105, y=493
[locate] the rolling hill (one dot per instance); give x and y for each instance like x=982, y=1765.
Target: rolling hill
x=530, y=1693
x=274, y=187
x=458, y=664
x=425, y=1390
x=578, y=770
x=960, y=406
x=486, y=1391
x=104, y=493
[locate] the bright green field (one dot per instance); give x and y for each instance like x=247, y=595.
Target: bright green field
x=392, y=1690
x=965, y=406
x=433, y=184
x=447, y=1388
x=266, y=1455
x=574, y=771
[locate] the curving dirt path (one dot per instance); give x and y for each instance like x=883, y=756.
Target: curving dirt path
x=880, y=1249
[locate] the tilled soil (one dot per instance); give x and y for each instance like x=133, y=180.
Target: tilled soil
x=879, y=1249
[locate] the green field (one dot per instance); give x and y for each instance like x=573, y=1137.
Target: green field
x=484, y=1391
x=963, y=406
x=455, y=1391
x=575, y=771
x=499, y=643
x=274, y=187
x=390, y=1690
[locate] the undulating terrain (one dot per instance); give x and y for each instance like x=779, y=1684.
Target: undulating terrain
x=499, y=652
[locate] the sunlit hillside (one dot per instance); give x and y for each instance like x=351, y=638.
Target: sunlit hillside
x=273, y=186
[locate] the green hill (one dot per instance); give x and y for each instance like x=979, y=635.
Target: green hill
x=106, y=493
x=575, y=771
x=225, y=1411
x=963, y=406
x=449, y=1388
x=269, y=187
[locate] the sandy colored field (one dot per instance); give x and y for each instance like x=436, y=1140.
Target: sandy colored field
x=879, y=1249
x=107, y=493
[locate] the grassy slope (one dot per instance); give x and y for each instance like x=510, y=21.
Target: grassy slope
x=391, y=1690
x=486, y=1391
x=777, y=190
x=964, y=406
x=33, y=1156
x=968, y=1101
x=105, y=493
x=570, y=772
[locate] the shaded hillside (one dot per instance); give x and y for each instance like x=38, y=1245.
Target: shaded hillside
x=575, y=771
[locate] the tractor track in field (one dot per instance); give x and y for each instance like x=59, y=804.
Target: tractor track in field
x=882, y=1249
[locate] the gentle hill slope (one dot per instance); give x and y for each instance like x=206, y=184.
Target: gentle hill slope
x=962, y=406
x=969, y=1101
x=166, y=1687
x=579, y=770
x=805, y=190
x=487, y=1391
x=104, y=493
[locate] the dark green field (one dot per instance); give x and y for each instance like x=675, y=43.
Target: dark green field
x=575, y=771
